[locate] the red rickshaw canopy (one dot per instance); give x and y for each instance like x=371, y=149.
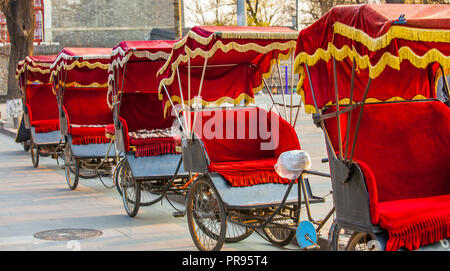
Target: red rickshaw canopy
x=143, y=59
x=82, y=67
x=35, y=68
x=238, y=58
x=395, y=45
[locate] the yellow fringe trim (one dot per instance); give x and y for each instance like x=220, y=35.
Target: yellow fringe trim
x=196, y=100
x=77, y=64
x=395, y=32
x=225, y=48
x=310, y=109
x=258, y=35
x=78, y=85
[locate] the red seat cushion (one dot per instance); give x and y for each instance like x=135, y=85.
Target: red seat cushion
x=87, y=131
x=246, y=173
x=45, y=126
x=412, y=223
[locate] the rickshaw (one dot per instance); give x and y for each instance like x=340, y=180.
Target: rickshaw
x=209, y=82
x=367, y=76
x=40, y=115
x=151, y=168
x=79, y=77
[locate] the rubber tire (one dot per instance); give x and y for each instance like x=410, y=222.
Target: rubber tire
x=220, y=237
x=34, y=151
x=73, y=184
x=137, y=185
x=280, y=242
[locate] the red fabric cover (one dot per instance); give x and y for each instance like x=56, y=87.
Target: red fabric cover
x=237, y=138
x=42, y=107
x=90, y=65
x=84, y=140
x=374, y=20
x=140, y=73
x=402, y=150
x=247, y=173
x=413, y=223
x=153, y=146
x=45, y=126
x=384, y=87
x=87, y=106
x=136, y=114
x=143, y=111
x=88, y=135
x=225, y=81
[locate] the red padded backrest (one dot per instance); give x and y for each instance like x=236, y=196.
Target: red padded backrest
x=244, y=134
x=144, y=111
x=87, y=106
x=42, y=102
x=406, y=146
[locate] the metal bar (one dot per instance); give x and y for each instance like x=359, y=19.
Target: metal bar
x=352, y=86
x=359, y=120
x=189, y=93
x=336, y=95
x=182, y=96
x=308, y=210
x=199, y=95
x=324, y=221
x=178, y=117
x=271, y=96
x=444, y=79
x=121, y=88
x=282, y=89
x=292, y=85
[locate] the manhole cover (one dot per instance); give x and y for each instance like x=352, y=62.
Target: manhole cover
x=67, y=234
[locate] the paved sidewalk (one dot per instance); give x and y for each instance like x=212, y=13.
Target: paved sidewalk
x=34, y=200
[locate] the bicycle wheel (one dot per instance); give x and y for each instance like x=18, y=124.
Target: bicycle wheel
x=34, y=151
x=131, y=190
x=338, y=237
x=279, y=235
x=361, y=241
x=71, y=169
x=236, y=232
x=206, y=216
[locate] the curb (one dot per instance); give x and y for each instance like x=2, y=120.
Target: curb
x=6, y=131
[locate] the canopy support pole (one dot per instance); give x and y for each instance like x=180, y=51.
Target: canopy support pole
x=327, y=136
x=336, y=95
x=282, y=88
x=271, y=96
x=121, y=88
x=182, y=98
x=199, y=95
x=189, y=94
x=292, y=87
x=352, y=87
x=173, y=106
x=444, y=79
x=359, y=119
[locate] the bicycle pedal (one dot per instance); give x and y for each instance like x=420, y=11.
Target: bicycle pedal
x=178, y=214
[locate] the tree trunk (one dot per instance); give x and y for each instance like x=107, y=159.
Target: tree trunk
x=19, y=16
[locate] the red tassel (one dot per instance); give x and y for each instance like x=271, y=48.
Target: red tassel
x=155, y=149
x=83, y=140
x=253, y=178
x=47, y=127
x=420, y=234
